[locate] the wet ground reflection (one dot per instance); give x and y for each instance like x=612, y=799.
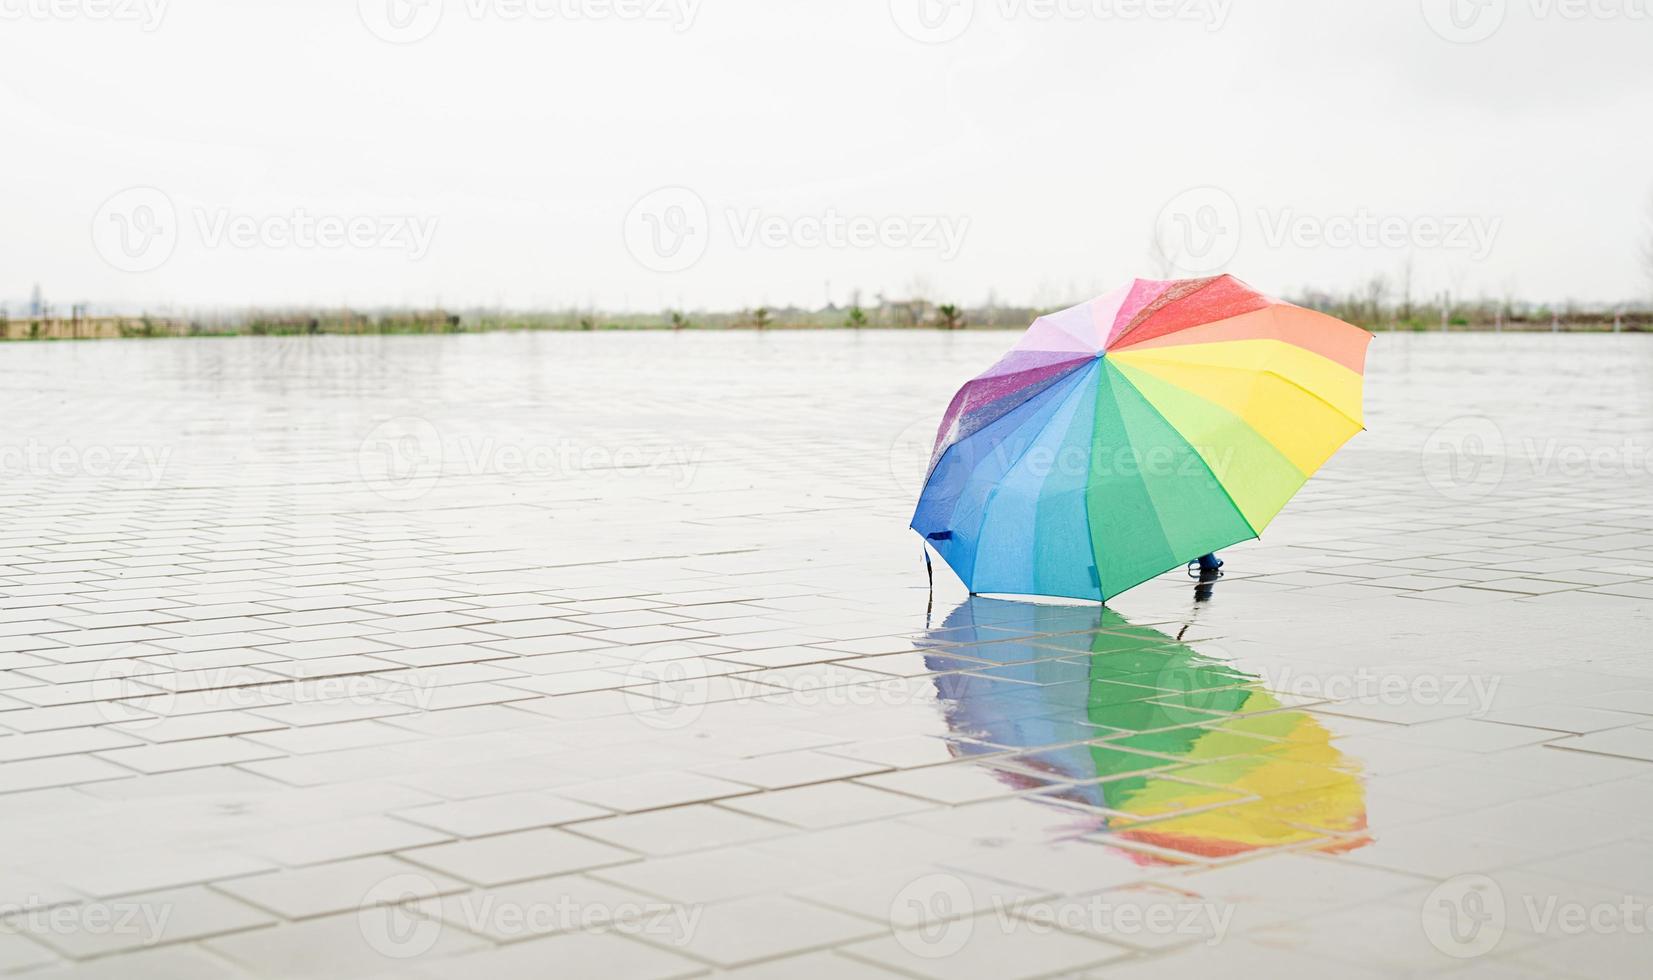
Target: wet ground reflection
x=1173, y=751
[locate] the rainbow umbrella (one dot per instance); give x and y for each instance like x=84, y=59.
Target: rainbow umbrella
x=1132, y=434
x=1167, y=746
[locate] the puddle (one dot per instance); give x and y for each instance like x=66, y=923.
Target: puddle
x=1170, y=749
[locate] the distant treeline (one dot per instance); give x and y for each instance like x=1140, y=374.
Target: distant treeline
x=1370, y=312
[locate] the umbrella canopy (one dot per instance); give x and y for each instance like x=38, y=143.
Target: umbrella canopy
x=1168, y=746
x=1134, y=433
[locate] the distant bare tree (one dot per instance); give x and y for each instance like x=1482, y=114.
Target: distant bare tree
x=1406, y=288
x=1377, y=294
x=1647, y=241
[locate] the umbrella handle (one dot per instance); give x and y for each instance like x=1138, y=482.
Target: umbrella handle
x=929, y=573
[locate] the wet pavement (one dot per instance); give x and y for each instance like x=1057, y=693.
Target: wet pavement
x=611, y=655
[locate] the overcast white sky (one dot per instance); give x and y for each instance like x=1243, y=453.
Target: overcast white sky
x=1036, y=156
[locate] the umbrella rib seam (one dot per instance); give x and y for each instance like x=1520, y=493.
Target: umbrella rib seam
x=1255, y=534
x=993, y=495
x=1271, y=373
x=1055, y=380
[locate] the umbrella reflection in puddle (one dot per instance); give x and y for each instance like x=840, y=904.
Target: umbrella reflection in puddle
x=1169, y=750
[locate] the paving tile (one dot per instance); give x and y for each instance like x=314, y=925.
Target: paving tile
x=193, y=754
x=338, y=946
x=783, y=769
x=919, y=895
x=1630, y=743
x=18, y=952
x=631, y=794
x=826, y=804
x=680, y=829
x=579, y=954
x=986, y=948
x=720, y=874
x=68, y=771
x=736, y=933
x=500, y=814
x=316, y=841
x=567, y=903
x=813, y=966
x=335, y=887
x=104, y=875
x=137, y=922
x=180, y=962
x=505, y=858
